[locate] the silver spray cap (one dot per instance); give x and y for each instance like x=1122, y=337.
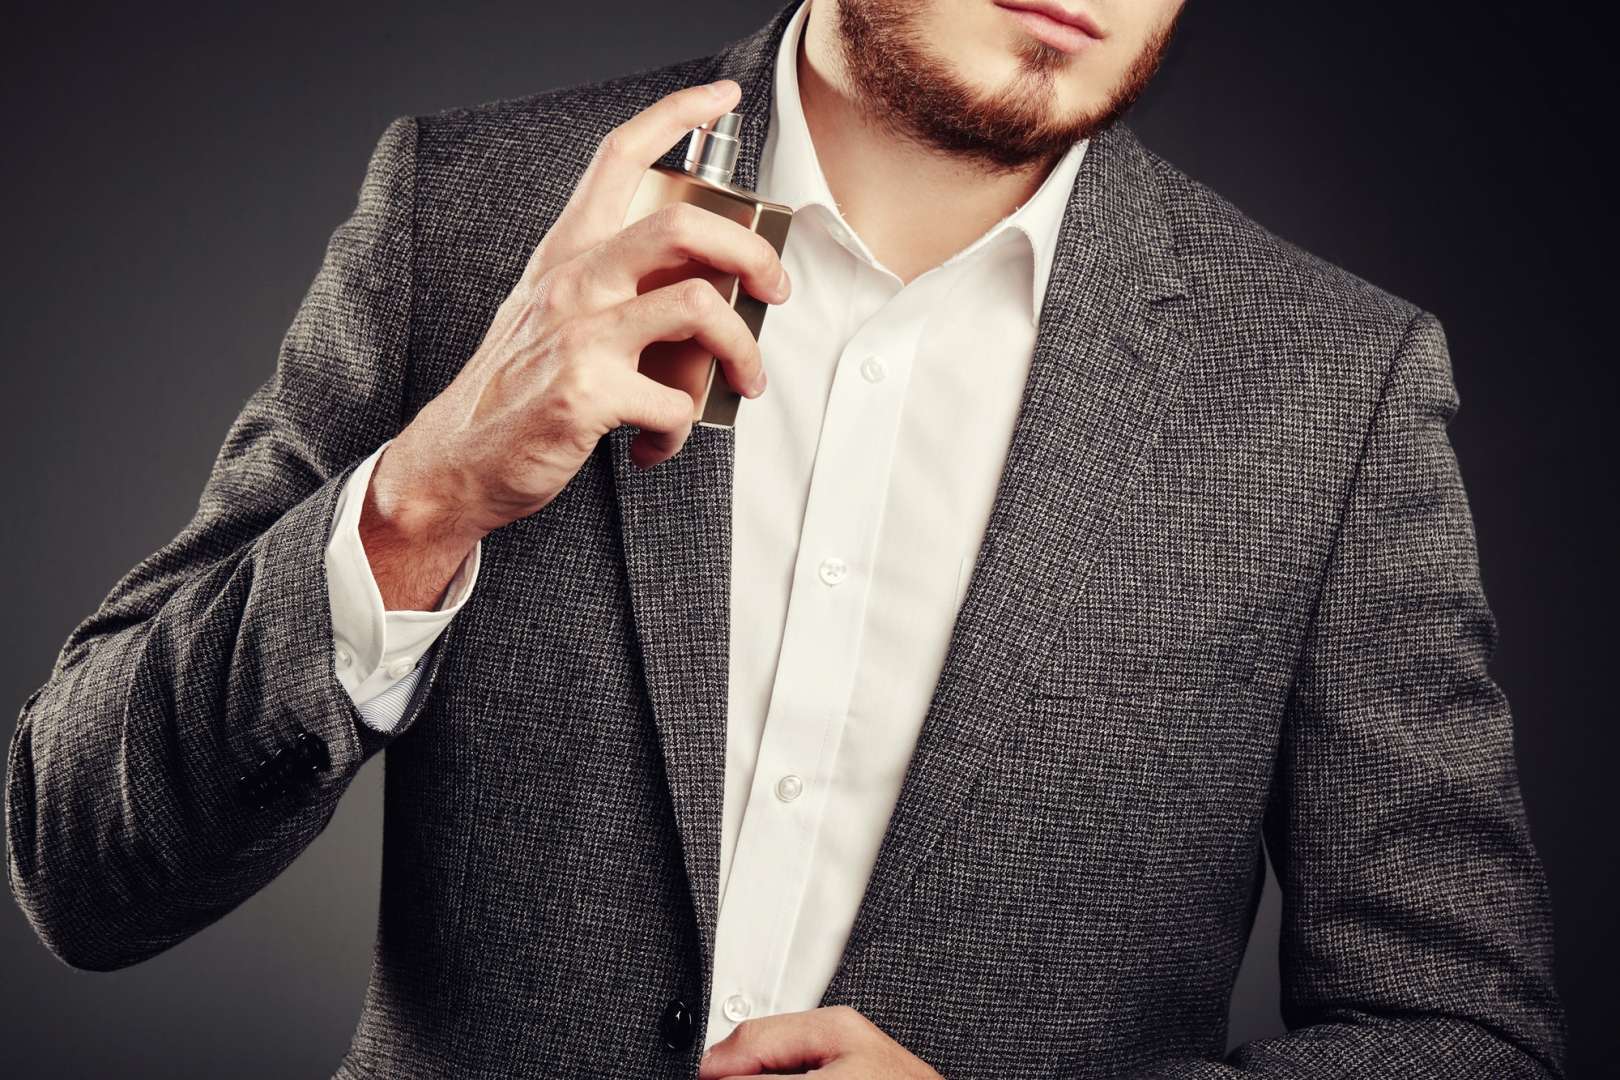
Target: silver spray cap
x=711, y=151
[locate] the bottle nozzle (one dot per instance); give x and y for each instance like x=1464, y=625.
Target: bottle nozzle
x=711, y=150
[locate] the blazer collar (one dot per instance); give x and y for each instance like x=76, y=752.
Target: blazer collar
x=1113, y=339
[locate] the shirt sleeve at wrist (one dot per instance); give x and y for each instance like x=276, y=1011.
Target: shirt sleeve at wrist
x=373, y=649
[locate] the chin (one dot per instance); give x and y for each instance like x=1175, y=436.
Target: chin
x=988, y=63
x=1069, y=102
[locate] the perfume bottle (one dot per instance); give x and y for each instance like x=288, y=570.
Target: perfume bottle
x=711, y=157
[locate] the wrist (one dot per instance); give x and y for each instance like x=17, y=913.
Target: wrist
x=414, y=541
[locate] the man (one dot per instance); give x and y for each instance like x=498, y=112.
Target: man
x=1089, y=543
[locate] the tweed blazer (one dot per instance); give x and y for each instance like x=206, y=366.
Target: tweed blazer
x=1227, y=604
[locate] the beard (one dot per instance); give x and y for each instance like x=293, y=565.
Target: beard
x=916, y=95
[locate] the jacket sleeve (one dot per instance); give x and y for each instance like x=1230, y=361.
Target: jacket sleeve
x=1416, y=931
x=193, y=736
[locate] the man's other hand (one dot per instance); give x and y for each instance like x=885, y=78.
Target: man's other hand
x=836, y=1041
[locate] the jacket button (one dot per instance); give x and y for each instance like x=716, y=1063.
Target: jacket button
x=677, y=1026
x=310, y=752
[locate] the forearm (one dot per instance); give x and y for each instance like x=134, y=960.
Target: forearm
x=1365, y=1045
x=128, y=825
x=193, y=736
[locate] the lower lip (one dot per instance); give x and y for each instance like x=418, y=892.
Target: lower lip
x=1059, y=35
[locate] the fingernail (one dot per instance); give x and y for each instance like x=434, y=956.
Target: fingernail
x=759, y=385
x=721, y=87
x=782, y=285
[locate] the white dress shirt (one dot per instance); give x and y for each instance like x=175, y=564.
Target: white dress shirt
x=864, y=480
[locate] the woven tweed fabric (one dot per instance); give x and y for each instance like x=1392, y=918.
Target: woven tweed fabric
x=1228, y=603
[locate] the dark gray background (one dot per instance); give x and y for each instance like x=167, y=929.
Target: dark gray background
x=171, y=179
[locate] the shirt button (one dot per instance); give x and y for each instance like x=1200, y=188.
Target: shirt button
x=736, y=1007
x=401, y=667
x=872, y=369
x=345, y=658
x=789, y=787
x=832, y=569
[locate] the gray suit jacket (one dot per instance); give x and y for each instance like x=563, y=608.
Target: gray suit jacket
x=1228, y=603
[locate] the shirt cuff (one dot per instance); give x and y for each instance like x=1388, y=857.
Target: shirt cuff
x=372, y=649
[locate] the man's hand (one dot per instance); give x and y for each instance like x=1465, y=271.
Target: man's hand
x=558, y=367
x=835, y=1041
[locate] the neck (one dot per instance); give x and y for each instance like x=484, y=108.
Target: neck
x=913, y=206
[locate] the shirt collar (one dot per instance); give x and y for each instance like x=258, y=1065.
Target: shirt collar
x=791, y=174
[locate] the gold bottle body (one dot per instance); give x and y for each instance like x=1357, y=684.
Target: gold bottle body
x=685, y=364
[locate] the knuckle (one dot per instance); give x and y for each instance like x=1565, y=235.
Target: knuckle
x=554, y=294
x=847, y=1019
x=612, y=147
x=676, y=223
x=573, y=390
x=696, y=298
x=845, y=1025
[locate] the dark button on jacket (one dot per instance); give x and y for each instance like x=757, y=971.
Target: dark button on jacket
x=678, y=1026
x=294, y=763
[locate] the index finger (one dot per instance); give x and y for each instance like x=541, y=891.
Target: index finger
x=774, y=1043
x=596, y=209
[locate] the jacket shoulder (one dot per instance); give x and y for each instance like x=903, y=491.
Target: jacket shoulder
x=560, y=119
x=1242, y=270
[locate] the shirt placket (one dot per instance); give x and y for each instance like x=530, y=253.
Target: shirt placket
x=815, y=675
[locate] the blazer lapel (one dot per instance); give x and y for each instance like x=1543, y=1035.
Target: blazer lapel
x=1107, y=362
x=675, y=528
